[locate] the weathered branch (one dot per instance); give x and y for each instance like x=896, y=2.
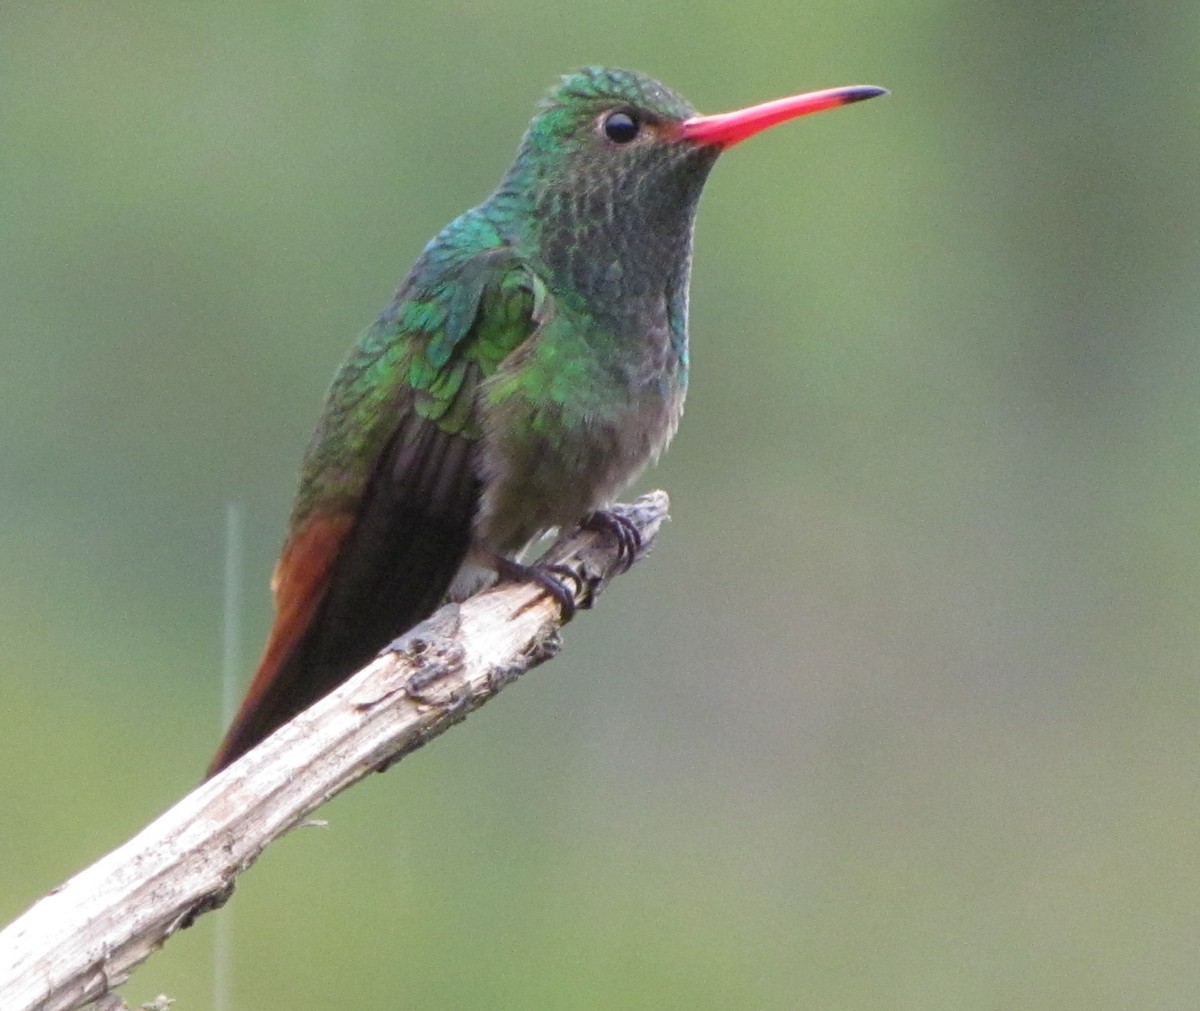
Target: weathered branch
x=87, y=936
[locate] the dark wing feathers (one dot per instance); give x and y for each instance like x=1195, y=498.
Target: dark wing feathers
x=368, y=557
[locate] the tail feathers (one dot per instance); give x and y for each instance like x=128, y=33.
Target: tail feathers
x=299, y=584
x=348, y=584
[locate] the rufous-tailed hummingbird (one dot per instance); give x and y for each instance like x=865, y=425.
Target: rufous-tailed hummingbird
x=532, y=363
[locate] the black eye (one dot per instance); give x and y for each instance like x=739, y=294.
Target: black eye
x=620, y=127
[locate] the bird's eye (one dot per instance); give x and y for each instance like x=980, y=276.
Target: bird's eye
x=620, y=127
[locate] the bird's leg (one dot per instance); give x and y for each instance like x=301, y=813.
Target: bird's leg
x=629, y=538
x=546, y=576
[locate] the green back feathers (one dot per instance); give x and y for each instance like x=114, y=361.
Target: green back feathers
x=452, y=323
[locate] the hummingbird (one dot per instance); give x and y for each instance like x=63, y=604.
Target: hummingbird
x=531, y=364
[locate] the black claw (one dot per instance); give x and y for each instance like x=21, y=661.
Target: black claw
x=629, y=538
x=547, y=577
x=554, y=577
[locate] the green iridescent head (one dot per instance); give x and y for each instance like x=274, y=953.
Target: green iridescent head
x=608, y=185
x=575, y=114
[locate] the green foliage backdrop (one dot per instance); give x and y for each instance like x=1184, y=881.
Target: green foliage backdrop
x=902, y=713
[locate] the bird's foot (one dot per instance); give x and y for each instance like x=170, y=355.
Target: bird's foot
x=629, y=538
x=551, y=578
x=548, y=577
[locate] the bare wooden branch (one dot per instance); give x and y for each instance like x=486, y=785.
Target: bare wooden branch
x=86, y=937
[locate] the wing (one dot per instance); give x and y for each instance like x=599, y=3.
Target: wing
x=388, y=489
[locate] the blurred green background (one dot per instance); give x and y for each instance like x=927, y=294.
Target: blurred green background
x=903, y=711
